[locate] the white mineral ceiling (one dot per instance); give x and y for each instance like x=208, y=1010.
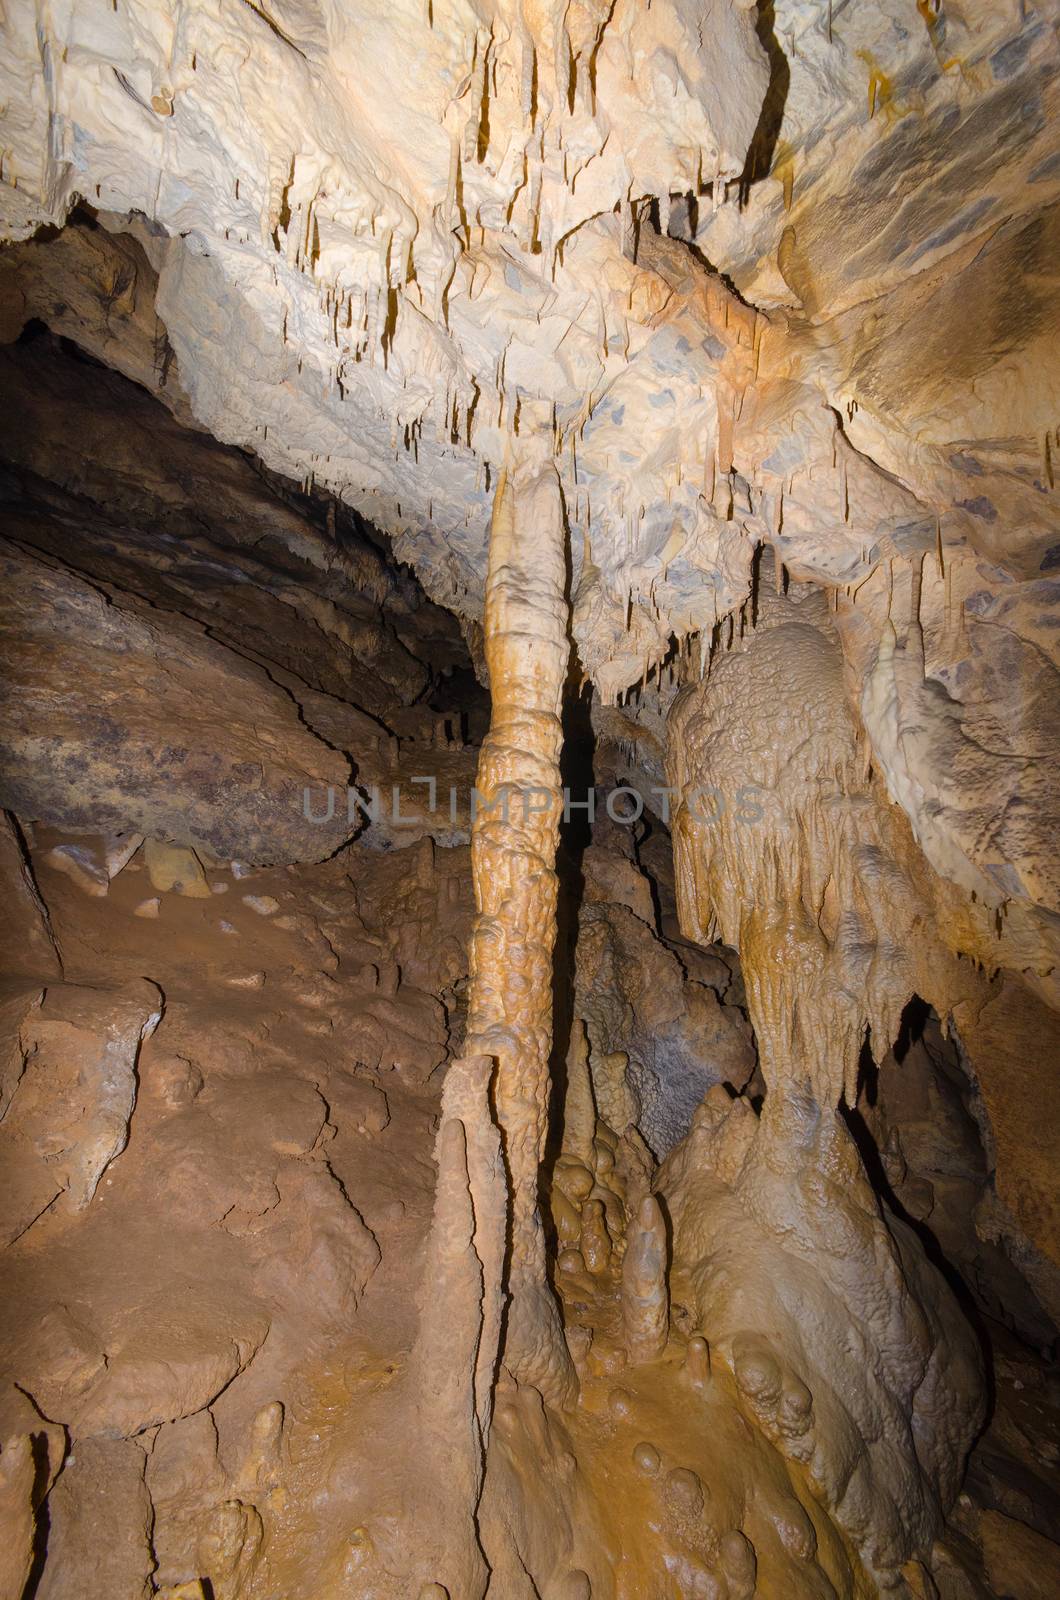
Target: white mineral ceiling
x=780, y=276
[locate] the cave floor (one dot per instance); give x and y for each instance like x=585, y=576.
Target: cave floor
x=225, y=1329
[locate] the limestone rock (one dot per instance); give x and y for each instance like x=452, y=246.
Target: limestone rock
x=612, y=319
x=169, y=514
x=28, y=937
x=801, y=412
x=465, y=1255
x=27, y=1187
x=99, y=1521
x=1018, y=1560
x=82, y=865
x=514, y=842
x=612, y=879
x=69, y=1116
x=118, y=851
x=784, y=1228
x=173, y=767
x=675, y=1038
x=31, y=1455
x=1010, y=1046
x=175, y=869
x=167, y=1358
x=17, y=1478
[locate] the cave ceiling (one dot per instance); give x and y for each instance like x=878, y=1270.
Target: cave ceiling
x=778, y=277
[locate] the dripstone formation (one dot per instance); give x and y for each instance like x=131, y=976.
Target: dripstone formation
x=529, y=770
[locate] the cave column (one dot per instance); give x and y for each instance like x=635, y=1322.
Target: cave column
x=515, y=832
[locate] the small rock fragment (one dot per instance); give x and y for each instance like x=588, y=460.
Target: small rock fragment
x=178, y=1080
x=175, y=869
x=263, y=904
x=119, y=849
x=82, y=865
x=148, y=908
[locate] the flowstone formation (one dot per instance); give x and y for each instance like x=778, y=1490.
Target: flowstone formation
x=528, y=1005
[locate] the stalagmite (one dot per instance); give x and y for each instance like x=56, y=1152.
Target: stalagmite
x=513, y=864
x=579, y=1110
x=262, y=1466
x=456, y=1351
x=645, y=1297
x=816, y=982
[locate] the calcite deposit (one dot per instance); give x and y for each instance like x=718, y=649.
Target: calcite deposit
x=529, y=766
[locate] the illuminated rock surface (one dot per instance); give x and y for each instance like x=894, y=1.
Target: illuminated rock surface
x=417, y=417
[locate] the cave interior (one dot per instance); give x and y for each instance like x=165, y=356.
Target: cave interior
x=529, y=987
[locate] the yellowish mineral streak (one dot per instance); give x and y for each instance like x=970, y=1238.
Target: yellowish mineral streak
x=513, y=852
